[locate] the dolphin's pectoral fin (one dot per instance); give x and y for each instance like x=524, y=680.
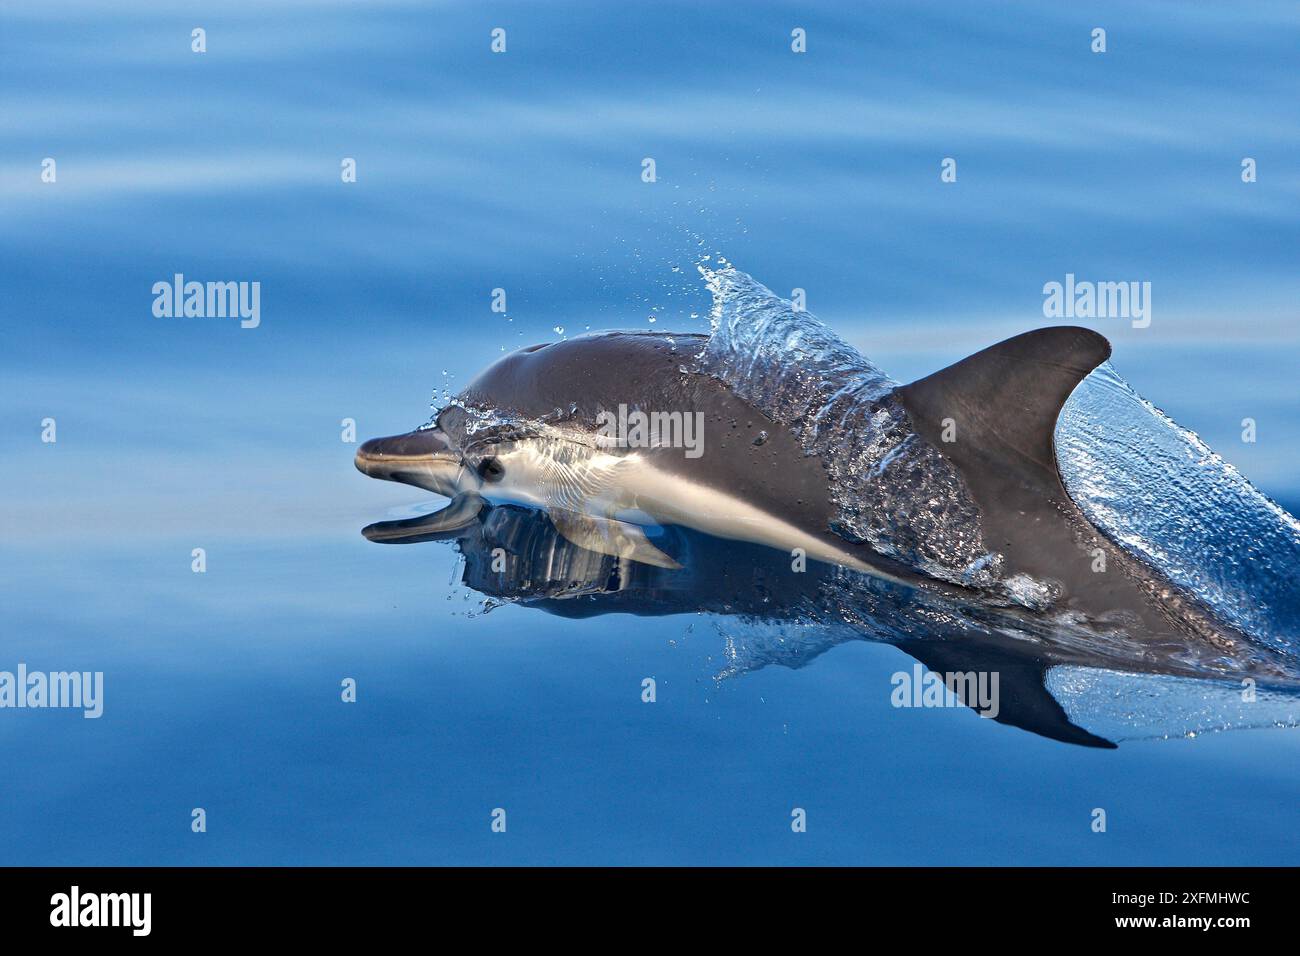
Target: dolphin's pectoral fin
x=439, y=526
x=619, y=539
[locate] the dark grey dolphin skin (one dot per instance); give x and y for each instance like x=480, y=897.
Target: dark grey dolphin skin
x=1003, y=403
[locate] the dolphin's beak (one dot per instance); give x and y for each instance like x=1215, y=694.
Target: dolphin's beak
x=422, y=458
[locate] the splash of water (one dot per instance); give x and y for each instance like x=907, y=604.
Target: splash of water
x=1158, y=491
x=891, y=488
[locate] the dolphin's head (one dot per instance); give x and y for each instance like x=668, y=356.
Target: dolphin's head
x=500, y=462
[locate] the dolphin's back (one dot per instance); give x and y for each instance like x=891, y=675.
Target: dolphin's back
x=586, y=375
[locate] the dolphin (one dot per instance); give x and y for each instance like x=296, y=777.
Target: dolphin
x=531, y=430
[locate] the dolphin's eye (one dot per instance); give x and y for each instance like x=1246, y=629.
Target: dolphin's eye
x=489, y=469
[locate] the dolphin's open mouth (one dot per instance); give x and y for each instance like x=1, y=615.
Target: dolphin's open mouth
x=423, y=458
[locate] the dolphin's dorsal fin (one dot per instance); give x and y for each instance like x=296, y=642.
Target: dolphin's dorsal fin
x=1003, y=402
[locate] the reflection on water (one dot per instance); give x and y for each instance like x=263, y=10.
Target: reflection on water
x=1161, y=492
x=1048, y=677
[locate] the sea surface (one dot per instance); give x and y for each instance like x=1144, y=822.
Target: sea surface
x=523, y=171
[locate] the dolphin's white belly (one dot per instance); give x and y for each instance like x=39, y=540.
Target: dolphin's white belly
x=565, y=477
x=670, y=499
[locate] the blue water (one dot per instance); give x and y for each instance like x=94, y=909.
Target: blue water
x=522, y=171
